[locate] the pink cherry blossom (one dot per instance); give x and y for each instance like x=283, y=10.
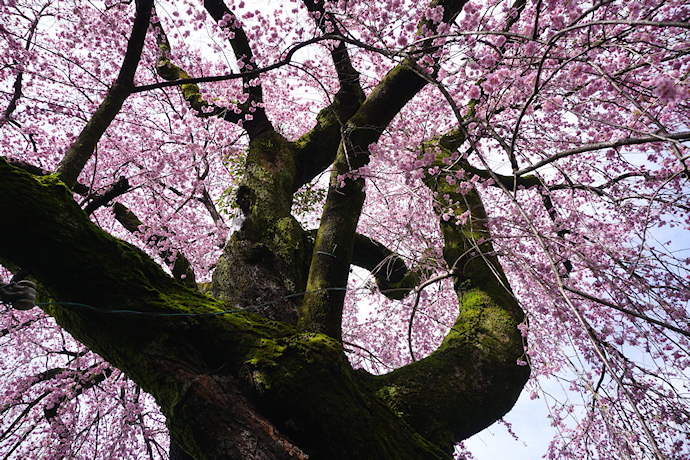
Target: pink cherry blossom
x=573, y=128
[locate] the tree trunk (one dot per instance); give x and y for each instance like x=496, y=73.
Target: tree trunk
x=238, y=385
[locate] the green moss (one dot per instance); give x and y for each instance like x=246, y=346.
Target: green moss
x=471, y=380
x=303, y=379
x=268, y=258
x=321, y=309
x=288, y=235
x=391, y=394
x=266, y=189
x=324, y=119
x=192, y=94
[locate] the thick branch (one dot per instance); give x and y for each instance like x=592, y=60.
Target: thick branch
x=118, y=188
x=191, y=92
x=483, y=347
x=321, y=310
x=452, y=141
x=39, y=240
x=317, y=149
x=392, y=276
x=178, y=263
x=471, y=381
x=79, y=153
x=327, y=22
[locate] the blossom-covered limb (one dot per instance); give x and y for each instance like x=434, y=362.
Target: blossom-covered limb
x=178, y=263
x=317, y=149
x=327, y=22
x=81, y=150
x=483, y=347
x=191, y=92
x=17, y=85
x=258, y=122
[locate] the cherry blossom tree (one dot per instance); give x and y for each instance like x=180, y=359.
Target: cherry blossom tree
x=343, y=229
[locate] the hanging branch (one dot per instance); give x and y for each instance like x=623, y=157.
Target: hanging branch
x=418, y=296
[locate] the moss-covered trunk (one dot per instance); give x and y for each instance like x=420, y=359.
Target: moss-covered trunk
x=232, y=385
x=237, y=385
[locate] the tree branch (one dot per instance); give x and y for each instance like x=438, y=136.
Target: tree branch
x=235, y=76
x=118, y=188
x=321, y=309
x=392, y=276
x=628, y=311
x=83, y=147
x=17, y=86
x=483, y=347
x=91, y=381
x=16, y=95
x=259, y=122
x=191, y=92
x=348, y=77
x=681, y=136
x=78, y=188
x=243, y=376
x=317, y=149
x=426, y=283
x=178, y=263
